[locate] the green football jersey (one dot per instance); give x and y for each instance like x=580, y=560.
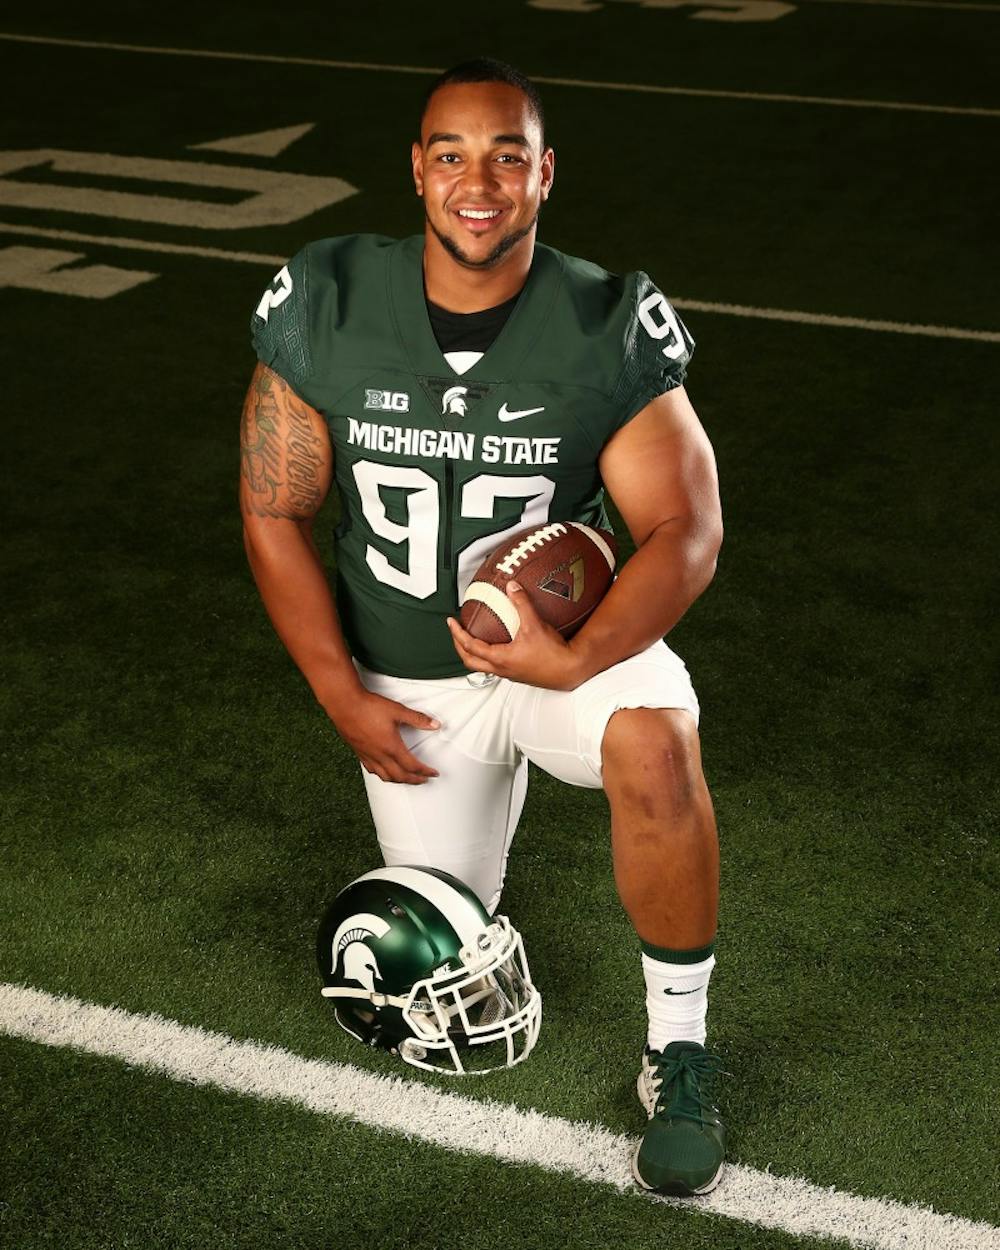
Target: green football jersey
x=436, y=468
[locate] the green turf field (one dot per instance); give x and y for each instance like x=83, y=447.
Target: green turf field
x=176, y=812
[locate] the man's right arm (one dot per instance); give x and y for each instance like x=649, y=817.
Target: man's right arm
x=286, y=472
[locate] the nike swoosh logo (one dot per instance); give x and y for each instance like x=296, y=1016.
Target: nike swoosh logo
x=675, y=993
x=505, y=415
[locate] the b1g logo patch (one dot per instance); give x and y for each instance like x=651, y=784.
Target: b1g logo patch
x=387, y=401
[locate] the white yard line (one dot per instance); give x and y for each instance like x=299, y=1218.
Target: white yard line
x=731, y=310
x=960, y=5
x=584, y=1151
x=142, y=245
x=830, y=319
x=264, y=58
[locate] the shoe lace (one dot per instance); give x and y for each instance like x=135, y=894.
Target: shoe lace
x=685, y=1085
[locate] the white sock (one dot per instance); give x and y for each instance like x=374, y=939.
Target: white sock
x=676, y=1000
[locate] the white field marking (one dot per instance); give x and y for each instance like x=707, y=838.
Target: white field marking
x=41, y=269
x=771, y=97
x=829, y=319
x=144, y=245
x=584, y=1151
x=260, y=143
x=913, y=4
x=731, y=310
x=431, y=71
x=709, y=10
x=590, y=6
x=271, y=199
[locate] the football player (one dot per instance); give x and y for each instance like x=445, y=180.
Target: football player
x=460, y=385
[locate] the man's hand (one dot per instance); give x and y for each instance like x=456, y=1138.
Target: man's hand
x=538, y=656
x=370, y=727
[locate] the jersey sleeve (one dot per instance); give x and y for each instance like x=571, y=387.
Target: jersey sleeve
x=279, y=326
x=658, y=348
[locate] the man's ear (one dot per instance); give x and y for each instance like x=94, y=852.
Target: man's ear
x=548, y=172
x=417, y=159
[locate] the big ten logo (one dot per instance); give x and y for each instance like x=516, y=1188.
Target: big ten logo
x=387, y=401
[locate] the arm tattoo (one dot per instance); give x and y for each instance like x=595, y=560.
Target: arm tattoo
x=302, y=460
x=260, y=452
x=281, y=455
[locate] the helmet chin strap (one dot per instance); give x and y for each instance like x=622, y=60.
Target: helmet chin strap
x=480, y=990
x=367, y=996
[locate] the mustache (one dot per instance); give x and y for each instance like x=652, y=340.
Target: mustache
x=494, y=258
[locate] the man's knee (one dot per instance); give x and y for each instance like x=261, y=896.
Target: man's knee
x=651, y=758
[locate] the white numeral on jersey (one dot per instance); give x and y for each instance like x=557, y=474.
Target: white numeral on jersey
x=421, y=532
x=271, y=299
x=661, y=329
x=479, y=496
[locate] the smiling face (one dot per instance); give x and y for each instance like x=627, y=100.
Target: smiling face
x=482, y=172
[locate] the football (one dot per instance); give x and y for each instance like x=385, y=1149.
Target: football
x=564, y=567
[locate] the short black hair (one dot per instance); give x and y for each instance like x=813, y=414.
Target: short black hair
x=487, y=69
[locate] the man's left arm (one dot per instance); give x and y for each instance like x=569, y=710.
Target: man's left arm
x=660, y=471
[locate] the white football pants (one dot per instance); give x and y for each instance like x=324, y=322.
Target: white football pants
x=463, y=821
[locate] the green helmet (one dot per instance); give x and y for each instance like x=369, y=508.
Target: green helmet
x=417, y=966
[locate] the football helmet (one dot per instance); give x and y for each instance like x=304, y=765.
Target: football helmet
x=416, y=965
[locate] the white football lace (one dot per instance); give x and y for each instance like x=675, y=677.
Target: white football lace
x=527, y=545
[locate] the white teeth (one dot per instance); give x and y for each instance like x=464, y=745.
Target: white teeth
x=479, y=214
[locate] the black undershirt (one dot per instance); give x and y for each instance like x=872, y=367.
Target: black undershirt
x=468, y=332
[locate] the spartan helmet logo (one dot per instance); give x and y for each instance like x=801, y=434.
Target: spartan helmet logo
x=453, y=401
x=352, y=954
